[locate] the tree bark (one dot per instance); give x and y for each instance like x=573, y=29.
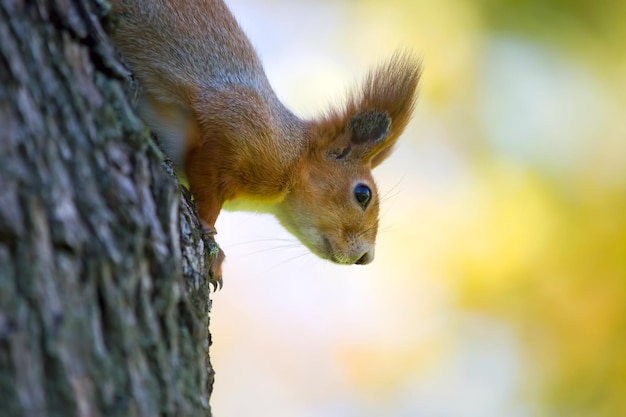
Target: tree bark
x=104, y=294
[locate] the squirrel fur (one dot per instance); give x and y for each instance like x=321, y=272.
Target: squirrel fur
x=205, y=95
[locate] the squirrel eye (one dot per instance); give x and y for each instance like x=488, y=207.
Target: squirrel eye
x=363, y=195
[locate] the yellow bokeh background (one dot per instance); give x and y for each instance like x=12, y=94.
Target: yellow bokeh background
x=500, y=279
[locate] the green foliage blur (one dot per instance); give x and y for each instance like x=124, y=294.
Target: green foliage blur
x=542, y=242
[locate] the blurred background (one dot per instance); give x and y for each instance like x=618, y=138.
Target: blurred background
x=499, y=285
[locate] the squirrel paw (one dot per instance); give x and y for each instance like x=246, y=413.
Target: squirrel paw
x=215, y=271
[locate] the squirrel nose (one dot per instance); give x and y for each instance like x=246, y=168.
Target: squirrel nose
x=366, y=258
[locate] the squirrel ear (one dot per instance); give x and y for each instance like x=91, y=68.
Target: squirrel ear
x=368, y=132
x=376, y=114
x=365, y=135
x=369, y=128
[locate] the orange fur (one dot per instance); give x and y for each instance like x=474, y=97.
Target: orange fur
x=206, y=96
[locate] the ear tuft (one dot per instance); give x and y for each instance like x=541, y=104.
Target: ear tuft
x=375, y=114
x=369, y=127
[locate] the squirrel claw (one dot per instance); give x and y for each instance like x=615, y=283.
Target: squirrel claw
x=216, y=285
x=215, y=271
x=207, y=230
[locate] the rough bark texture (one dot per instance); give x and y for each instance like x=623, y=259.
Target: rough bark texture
x=104, y=296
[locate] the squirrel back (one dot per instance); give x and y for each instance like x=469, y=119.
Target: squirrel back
x=206, y=96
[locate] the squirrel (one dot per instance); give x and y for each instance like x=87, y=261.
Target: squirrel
x=205, y=95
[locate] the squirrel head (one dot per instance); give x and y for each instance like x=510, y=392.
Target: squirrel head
x=333, y=206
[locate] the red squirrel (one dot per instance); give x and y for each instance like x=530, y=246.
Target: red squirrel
x=205, y=95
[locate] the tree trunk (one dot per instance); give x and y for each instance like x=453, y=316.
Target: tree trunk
x=104, y=295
